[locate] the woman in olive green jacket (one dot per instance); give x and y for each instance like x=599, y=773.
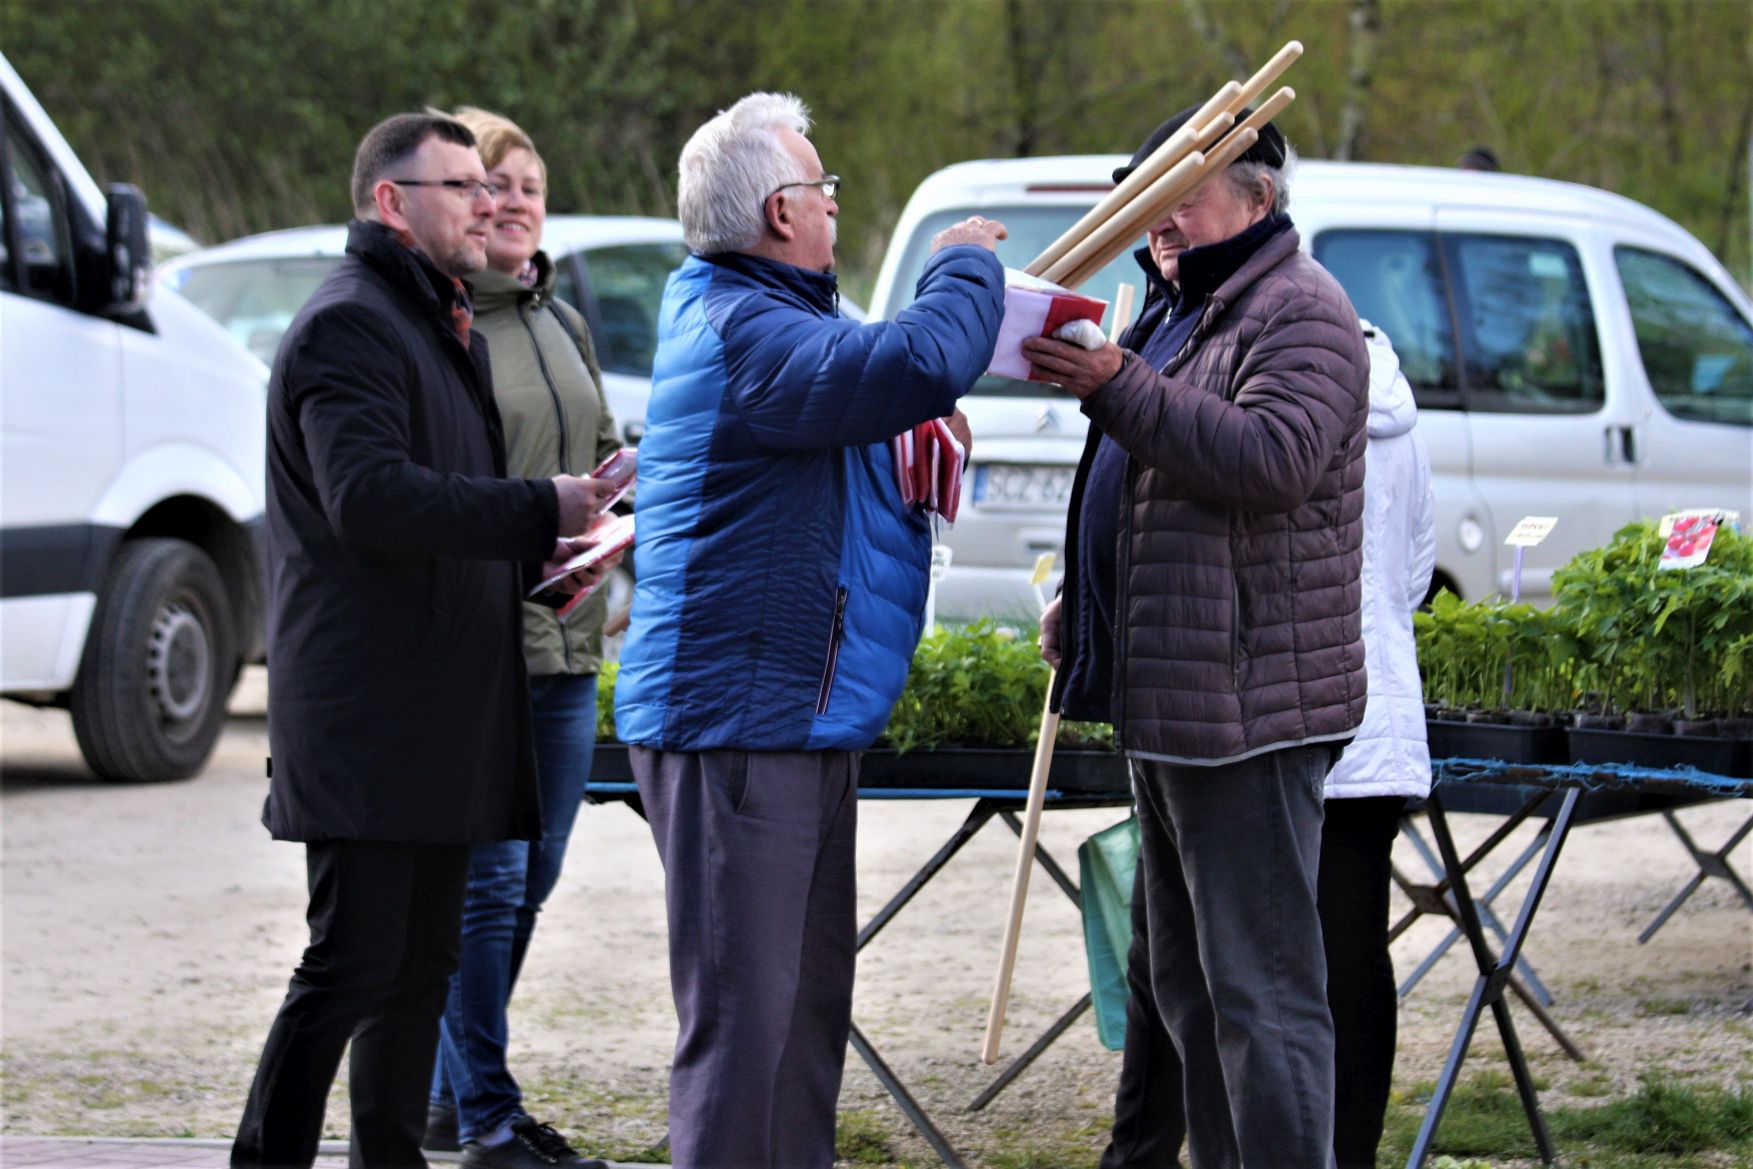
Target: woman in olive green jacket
x=549, y=392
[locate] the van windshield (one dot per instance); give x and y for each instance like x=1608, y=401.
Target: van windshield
x=1031, y=230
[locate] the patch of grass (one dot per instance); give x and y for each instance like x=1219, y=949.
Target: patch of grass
x=658, y=1154
x=861, y=1138
x=1664, y=1124
x=1658, y=1006
x=1484, y=1118
x=1593, y=1083
x=1663, y=1116
x=1072, y=1148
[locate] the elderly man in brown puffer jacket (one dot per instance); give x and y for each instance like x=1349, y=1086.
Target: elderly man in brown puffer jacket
x=1211, y=612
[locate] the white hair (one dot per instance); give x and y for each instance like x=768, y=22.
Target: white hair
x=1246, y=178
x=730, y=166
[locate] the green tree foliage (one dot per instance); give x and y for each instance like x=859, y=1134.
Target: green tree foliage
x=242, y=115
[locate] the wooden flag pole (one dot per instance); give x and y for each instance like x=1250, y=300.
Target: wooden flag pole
x=1019, y=885
x=1269, y=72
x=1117, y=232
x=1197, y=134
x=1138, y=216
x=1025, y=860
x=1272, y=107
x=1160, y=161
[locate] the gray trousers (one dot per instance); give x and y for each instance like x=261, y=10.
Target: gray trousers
x=758, y=851
x=1230, y=857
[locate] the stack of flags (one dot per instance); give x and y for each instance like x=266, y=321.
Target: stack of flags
x=928, y=467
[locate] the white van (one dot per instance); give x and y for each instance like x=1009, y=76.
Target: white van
x=1575, y=354
x=131, y=456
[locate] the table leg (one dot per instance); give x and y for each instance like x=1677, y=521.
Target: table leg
x=982, y=811
x=1510, y=824
x=980, y=815
x=1017, y=1066
x=904, y=1099
x=1433, y=899
x=1710, y=864
x=1495, y=972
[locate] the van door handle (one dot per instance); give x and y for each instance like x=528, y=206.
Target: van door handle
x=1621, y=445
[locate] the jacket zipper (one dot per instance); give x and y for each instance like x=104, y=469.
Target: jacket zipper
x=565, y=447
x=833, y=650
x=1117, y=704
x=553, y=392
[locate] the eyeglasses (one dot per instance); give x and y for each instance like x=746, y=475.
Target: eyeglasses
x=470, y=189
x=828, y=183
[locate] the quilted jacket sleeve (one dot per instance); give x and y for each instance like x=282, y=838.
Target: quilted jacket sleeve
x=805, y=382
x=1300, y=390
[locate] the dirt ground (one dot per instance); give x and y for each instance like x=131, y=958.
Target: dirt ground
x=148, y=932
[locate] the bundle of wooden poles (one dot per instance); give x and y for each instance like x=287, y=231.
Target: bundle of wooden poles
x=1208, y=142
x=1174, y=171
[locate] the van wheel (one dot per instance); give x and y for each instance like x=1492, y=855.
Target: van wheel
x=149, y=700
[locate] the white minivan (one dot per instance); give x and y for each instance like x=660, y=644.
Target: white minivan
x=131, y=458
x=612, y=268
x=1575, y=354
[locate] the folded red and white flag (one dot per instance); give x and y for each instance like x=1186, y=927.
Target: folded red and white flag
x=1035, y=308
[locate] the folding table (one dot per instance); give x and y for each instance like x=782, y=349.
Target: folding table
x=1567, y=795
x=997, y=782
x=1564, y=796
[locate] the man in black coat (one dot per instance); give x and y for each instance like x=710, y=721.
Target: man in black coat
x=397, y=555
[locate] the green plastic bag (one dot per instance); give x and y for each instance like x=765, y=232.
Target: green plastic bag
x=1105, y=864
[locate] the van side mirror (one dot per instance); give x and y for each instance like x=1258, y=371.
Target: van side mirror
x=127, y=258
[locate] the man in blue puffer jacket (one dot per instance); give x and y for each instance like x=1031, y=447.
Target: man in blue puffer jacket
x=780, y=597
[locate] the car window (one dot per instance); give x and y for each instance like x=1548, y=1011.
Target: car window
x=1031, y=230
x=565, y=284
x=254, y=299
x=1394, y=280
x=1527, y=329
x=39, y=223
x=1697, y=350
x=626, y=288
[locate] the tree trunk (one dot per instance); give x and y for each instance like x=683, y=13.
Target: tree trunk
x=1025, y=83
x=1366, y=25
x=1205, y=28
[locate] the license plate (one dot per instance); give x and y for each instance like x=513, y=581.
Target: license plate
x=1000, y=486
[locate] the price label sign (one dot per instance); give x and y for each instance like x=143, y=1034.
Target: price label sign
x=940, y=561
x=1688, y=541
x=1721, y=515
x=1531, y=530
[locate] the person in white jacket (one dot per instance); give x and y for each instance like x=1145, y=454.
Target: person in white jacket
x=1387, y=763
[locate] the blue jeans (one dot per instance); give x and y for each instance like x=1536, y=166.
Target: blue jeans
x=508, y=881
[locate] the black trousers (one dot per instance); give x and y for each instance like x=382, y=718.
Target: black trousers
x=1357, y=841
x=385, y=926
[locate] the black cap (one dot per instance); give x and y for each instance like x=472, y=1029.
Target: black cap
x=1269, y=148
x=1479, y=158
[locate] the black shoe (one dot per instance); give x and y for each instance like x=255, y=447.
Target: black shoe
x=532, y=1146
x=441, y=1130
